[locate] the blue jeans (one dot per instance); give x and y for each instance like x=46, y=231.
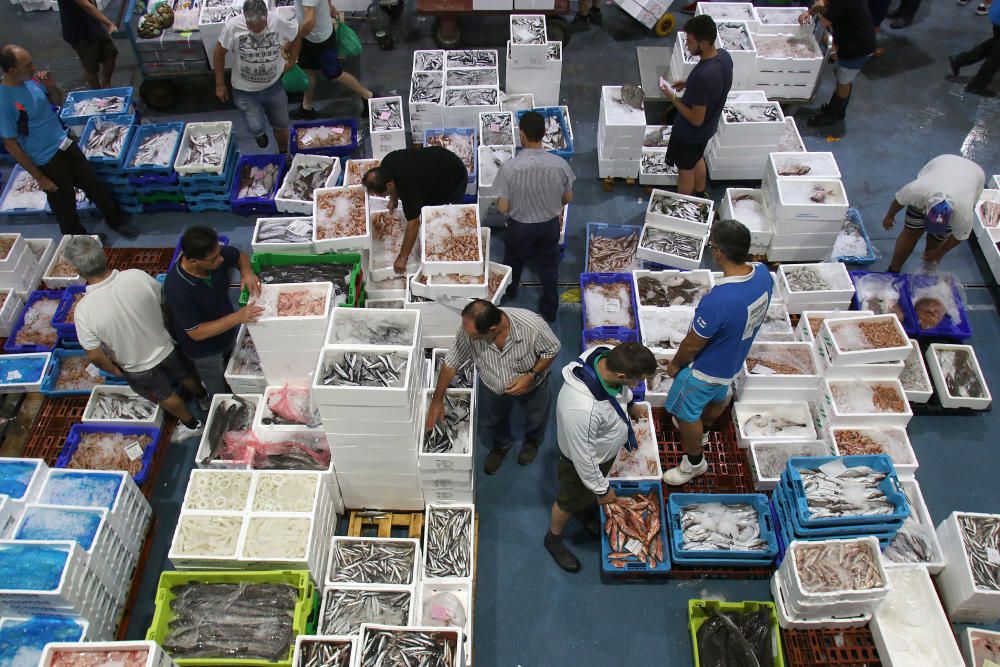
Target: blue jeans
x=260, y=107
x=538, y=241
x=494, y=414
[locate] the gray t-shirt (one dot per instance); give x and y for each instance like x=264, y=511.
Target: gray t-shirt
x=534, y=183
x=324, y=22
x=257, y=59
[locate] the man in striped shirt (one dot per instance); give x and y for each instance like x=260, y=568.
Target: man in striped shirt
x=533, y=188
x=512, y=350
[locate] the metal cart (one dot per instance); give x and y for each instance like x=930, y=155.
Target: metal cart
x=447, y=30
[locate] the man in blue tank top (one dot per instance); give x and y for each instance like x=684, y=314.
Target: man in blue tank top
x=712, y=354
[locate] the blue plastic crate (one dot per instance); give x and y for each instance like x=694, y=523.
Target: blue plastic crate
x=223, y=239
x=255, y=205
x=140, y=171
x=165, y=206
x=676, y=503
x=6, y=191
x=55, y=366
x=878, y=462
x=546, y=113
x=330, y=151
x=154, y=182
x=853, y=216
x=612, y=232
x=196, y=207
x=899, y=282
x=685, y=560
x=605, y=279
x=10, y=347
x=66, y=113
x=462, y=131
x=635, y=567
x=948, y=328
x=779, y=533
x=208, y=197
x=883, y=531
x=110, y=162
x=131, y=209
x=589, y=336
x=66, y=329
x=73, y=440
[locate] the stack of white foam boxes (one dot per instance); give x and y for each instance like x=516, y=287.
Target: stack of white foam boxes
x=989, y=236
x=426, y=108
x=89, y=526
x=646, y=12
x=533, y=69
x=807, y=212
x=373, y=430
x=789, y=58
x=497, y=126
x=288, y=346
x=748, y=132
x=620, y=133
x=459, y=110
x=387, y=111
x=21, y=269
x=736, y=22
x=967, y=594
x=449, y=476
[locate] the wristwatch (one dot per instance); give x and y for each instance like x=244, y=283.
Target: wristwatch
x=535, y=374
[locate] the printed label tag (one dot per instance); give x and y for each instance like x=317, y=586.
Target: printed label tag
x=384, y=115
x=336, y=129
x=93, y=371
x=993, y=555
x=13, y=375
x=633, y=546
x=612, y=305
x=300, y=228
x=494, y=127
x=133, y=451
x=761, y=369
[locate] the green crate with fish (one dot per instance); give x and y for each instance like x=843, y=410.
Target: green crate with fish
x=634, y=529
x=204, y=618
x=735, y=634
x=341, y=269
x=732, y=529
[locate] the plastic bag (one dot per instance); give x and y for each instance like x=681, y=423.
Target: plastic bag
x=444, y=609
x=348, y=43
x=879, y=293
x=294, y=405
x=295, y=80
x=933, y=299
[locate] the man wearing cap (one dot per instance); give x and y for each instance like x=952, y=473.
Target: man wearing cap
x=939, y=201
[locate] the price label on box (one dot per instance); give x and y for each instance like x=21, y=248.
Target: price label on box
x=133, y=450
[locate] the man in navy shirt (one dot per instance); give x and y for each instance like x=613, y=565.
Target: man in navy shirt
x=699, y=110
x=712, y=354
x=202, y=318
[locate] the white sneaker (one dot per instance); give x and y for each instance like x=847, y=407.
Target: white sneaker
x=685, y=472
x=182, y=432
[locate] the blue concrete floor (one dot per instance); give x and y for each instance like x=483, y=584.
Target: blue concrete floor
x=529, y=612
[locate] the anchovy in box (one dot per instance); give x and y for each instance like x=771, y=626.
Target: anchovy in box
x=156, y=149
x=683, y=209
x=752, y=113
x=496, y=130
x=806, y=279
x=980, y=534
x=721, y=527
x=527, y=30
x=365, y=369
x=121, y=406
x=671, y=243
x=247, y=361
x=371, y=562
x=470, y=97
x=471, y=77
x=657, y=163
x=734, y=37
x=283, y=230
x=854, y=492
x=472, y=58
x=386, y=115
x=449, y=542
x=611, y=255
x=347, y=609
x=325, y=653
x=428, y=61
x=554, y=139
x=257, y=181
x=675, y=290
x=960, y=373
x=207, y=149
x=110, y=104
x=106, y=140
x=426, y=87
x=405, y=647
x=219, y=14
x=231, y=414
x=463, y=374
x=446, y=434
x=301, y=184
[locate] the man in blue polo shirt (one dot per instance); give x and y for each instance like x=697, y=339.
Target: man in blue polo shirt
x=202, y=318
x=712, y=354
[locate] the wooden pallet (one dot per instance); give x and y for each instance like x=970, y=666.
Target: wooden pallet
x=608, y=182
x=381, y=524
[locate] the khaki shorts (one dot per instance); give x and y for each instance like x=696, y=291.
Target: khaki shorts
x=573, y=496
x=93, y=53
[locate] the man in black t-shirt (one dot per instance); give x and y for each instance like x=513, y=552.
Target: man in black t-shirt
x=854, y=38
x=418, y=177
x=88, y=31
x=699, y=110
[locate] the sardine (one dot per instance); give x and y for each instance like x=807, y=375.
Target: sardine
x=671, y=243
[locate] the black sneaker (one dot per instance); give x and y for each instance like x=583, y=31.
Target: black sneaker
x=494, y=460
x=563, y=557
x=980, y=90
x=529, y=451
x=303, y=114
x=262, y=140
x=127, y=230
x=596, y=17
x=511, y=292
x=581, y=23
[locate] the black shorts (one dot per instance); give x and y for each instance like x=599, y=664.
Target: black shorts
x=157, y=384
x=684, y=155
x=321, y=56
x=93, y=53
x=573, y=496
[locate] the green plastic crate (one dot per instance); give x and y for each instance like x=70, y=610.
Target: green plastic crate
x=700, y=610
x=356, y=284
x=162, y=197
x=163, y=615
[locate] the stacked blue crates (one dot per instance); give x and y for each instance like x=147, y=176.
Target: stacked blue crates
x=208, y=191
x=110, y=169
x=155, y=185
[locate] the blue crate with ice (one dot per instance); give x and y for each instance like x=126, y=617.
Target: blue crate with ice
x=607, y=337
x=70, y=373
x=98, y=447
x=611, y=248
x=22, y=195
x=768, y=458
x=152, y=153
x=939, y=307
x=23, y=640
x=705, y=527
x=81, y=105
x=105, y=140
x=885, y=532
x=23, y=373
x=608, y=301
x=883, y=293
x=853, y=245
x=255, y=184
x=638, y=505
x=34, y=331
x=332, y=138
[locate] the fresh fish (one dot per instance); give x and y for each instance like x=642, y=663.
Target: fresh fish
x=106, y=139
x=231, y=414
x=736, y=639
x=471, y=97
x=463, y=378
x=386, y=115
x=671, y=243
x=121, y=406
x=372, y=561
x=206, y=149
x=449, y=542
x=981, y=536
x=338, y=274
x=819, y=194
x=734, y=36
x=666, y=203
x=761, y=425
x=721, y=527
x=428, y=61
x=303, y=180
x=247, y=361
x=102, y=105
x=426, y=87
x=496, y=129
x=460, y=142
x=632, y=526
x=346, y=610
x=806, y=279
x=471, y=77
x=257, y=181
x=554, y=138
x=449, y=435
x=664, y=291
x=409, y=648
x=326, y=652
x=607, y=254
x=657, y=136
x=365, y=369
x=285, y=230
x=960, y=376
x=527, y=30
x=795, y=170
x=471, y=58
x=656, y=162
x=832, y=567
x=156, y=149
x=855, y=492
x=749, y=112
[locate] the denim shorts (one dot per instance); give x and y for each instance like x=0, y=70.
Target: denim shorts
x=688, y=396
x=260, y=107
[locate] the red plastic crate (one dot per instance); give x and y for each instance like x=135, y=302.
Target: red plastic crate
x=153, y=261
x=728, y=470
x=850, y=647
x=51, y=427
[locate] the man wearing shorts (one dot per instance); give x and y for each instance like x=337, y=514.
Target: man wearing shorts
x=854, y=39
x=119, y=322
x=712, y=354
x=88, y=31
x=939, y=201
x=259, y=41
x=315, y=48
x=593, y=421
x=700, y=108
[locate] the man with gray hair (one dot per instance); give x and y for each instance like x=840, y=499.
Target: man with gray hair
x=261, y=55
x=119, y=322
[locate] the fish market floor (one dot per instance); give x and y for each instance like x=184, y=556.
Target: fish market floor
x=528, y=612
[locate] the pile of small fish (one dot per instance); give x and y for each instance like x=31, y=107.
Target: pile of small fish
x=914, y=375
x=108, y=405
x=426, y=87
x=990, y=212
x=657, y=136
x=866, y=397
x=24, y=193
x=496, y=129
x=632, y=527
x=734, y=37
x=365, y=369
x=304, y=179
x=449, y=542
x=853, y=492
x=772, y=458
x=463, y=377
x=363, y=561
x=285, y=230
x=156, y=149
x=451, y=434
x=325, y=653
x=656, y=162
x=135, y=657
x=106, y=140
x=347, y=609
x=107, y=451
x=248, y=621
x=786, y=46
x=780, y=360
x=213, y=15
x=206, y=149
x=607, y=254
x=490, y=159
x=99, y=106
x=960, y=376
x=37, y=326
x=473, y=58
x=460, y=142
x=866, y=334
x=554, y=138
x=338, y=274
x=340, y=213
x=776, y=325
x=912, y=543
x=257, y=182
x=471, y=77
x=768, y=424
x=608, y=305
x=721, y=527
x=676, y=289
x=671, y=243
x=806, y=279
x=555, y=51
x=452, y=235
x=246, y=360
x=471, y=97
x=863, y=442
x=355, y=170
x=665, y=203
x=752, y=113
x=419, y=648
x=324, y=136
x=981, y=535
x=832, y=567
x=428, y=61
x=73, y=375
x=386, y=114
x=527, y=30
x=232, y=414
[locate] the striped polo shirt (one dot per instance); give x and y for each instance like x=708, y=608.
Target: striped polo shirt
x=534, y=183
x=530, y=338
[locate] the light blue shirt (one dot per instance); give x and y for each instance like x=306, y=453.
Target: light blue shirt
x=45, y=132
x=324, y=22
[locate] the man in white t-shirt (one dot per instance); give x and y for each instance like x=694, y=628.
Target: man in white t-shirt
x=261, y=55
